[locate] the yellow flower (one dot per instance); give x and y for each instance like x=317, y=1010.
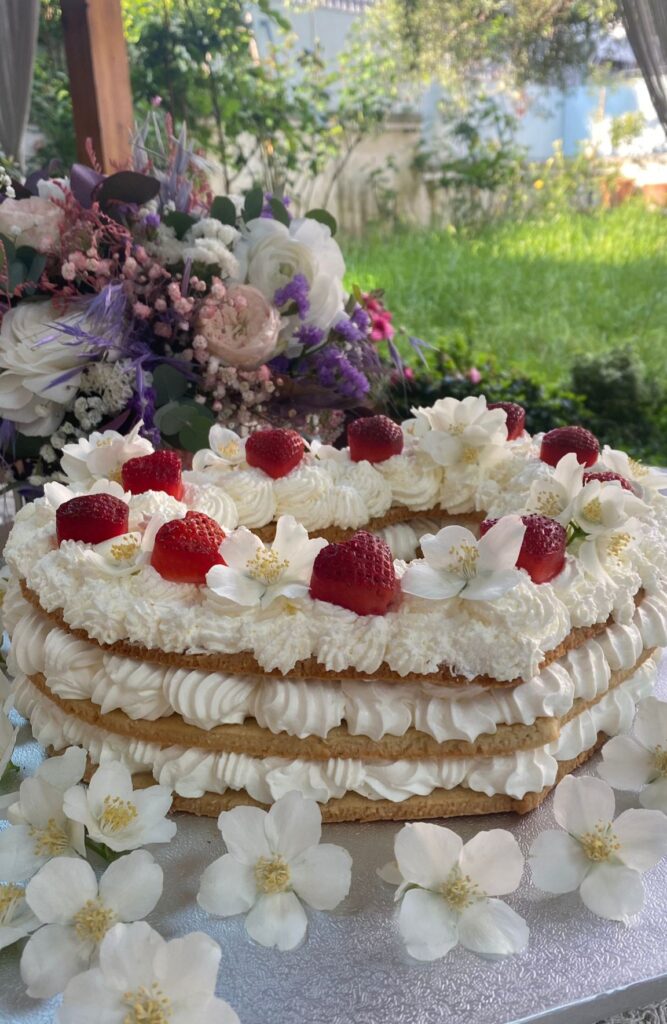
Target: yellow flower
x=538, y=184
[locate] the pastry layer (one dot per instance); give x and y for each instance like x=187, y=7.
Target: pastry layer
x=76, y=669
x=192, y=772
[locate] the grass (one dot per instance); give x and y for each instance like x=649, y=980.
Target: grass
x=536, y=294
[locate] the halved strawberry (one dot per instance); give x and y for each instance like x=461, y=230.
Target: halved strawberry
x=357, y=574
x=516, y=418
x=91, y=518
x=160, y=471
x=185, y=549
x=374, y=438
x=277, y=452
x=542, y=552
x=606, y=476
x=563, y=440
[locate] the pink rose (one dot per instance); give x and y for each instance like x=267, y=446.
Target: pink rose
x=242, y=328
x=35, y=222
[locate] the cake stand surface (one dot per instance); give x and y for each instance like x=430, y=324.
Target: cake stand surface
x=352, y=968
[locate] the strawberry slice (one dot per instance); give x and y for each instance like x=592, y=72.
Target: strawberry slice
x=277, y=452
x=357, y=574
x=542, y=553
x=160, y=471
x=374, y=439
x=516, y=418
x=563, y=440
x=606, y=477
x=91, y=518
x=185, y=549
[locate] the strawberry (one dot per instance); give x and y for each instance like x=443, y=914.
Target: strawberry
x=91, y=518
x=563, y=440
x=516, y=418
x=542, y=552
x=185, y=549
x=374, y=439
x=357, y=574
x=160, y=471
x=277, y=452
x=606, y=476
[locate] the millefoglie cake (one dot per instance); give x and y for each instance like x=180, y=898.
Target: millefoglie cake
x=147, y=626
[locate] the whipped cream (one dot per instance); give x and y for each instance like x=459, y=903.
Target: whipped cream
x=191, y=773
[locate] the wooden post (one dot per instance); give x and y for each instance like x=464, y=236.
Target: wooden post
x=99, y=77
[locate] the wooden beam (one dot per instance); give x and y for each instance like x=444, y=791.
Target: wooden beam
x=99, y=75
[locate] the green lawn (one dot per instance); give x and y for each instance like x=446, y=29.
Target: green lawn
x=535, y=294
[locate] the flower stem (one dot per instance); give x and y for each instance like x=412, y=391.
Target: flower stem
x=102, y=850
x=10, y=771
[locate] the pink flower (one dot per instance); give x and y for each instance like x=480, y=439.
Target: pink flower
x=241, y=329
x=474, y=376
x=36, y=222
x=141, y=310
x=68, y=271
x=381, y=326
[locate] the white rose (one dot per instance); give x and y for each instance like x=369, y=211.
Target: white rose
x=271, y=254
x=35, y=222
x=27, y=370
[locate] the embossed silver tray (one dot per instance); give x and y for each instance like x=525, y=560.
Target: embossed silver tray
x=352, y=968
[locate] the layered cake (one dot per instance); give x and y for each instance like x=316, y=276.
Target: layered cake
x=234, y=663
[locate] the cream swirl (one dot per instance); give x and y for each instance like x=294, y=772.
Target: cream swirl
x=214, y=501
x=415, y=480
x=253, y=494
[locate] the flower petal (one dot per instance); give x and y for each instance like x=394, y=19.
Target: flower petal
x=51, y=958
x=18, y=859
x=643, y=838
x=277, y=920
x=111, y=779
x=654, y=796
x=491, y=928
x=40, y=801
x=227, y=887
x=490, y=586
x=557, y=862
x=188, y=966
x=423, y=581
x=87, y=998
x=650, y=726
x=131, y=886
x=625, y=764
x=235, y=586
x=499, y=547
x=322, y=876
x=127, y=955
x=65, y=770
x=613, y=891
x=243, y=833
x=438, y=547
x=494, y=861
x=239, y=548
x=579, y=804
x=426, y=853
x=293, y=824
x=59, y=890
x=427, y=925
x=292, y=544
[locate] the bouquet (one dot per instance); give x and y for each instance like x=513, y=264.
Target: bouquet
x=140, y=297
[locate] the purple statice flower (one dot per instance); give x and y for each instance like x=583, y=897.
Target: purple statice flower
x=267, y=212
x=361, y=318
x=309, y=335
x=152, y=221
x=279, y=364
x=295, y=291
x=335, y=371
x=349, y=331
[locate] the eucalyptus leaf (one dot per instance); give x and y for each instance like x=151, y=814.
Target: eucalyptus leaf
x=168, y=384
x=26, y=254
x=223, y=209
x=180, y=222
x=36, y=268
x=324, y=217
x=254, y=204
x=195, y=435
x=17, y=274
x=171, y=417
x=279, y=212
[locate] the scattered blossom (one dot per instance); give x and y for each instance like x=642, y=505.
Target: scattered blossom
x=449, y=891
x=602, y=857
x=462, y=431
x=602, y=507
x=127, y=553
x=274, y=860
x=645, y=477
x=103, y=454
x=553, y=495
x=16, y=918
x=639, y=761
x=226, y=450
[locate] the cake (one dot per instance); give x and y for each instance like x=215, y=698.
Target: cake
x=228, y=633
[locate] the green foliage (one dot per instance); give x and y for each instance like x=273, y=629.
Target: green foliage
x=626, y=128
x=51, y=105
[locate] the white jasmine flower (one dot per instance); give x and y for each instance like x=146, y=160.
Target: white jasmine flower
x=127, y=553
x=77, y=912
x=257, y=573
x=117, y=815
x=601, y=857
x=226, y=450
x=553, y=496
x=449, y=891
x=8, y=732
x=639, y=761
x=103, y=455
x=16, y=918
x=456, y=564
x=327, y=452
x=141, y=979
x=635, y=472
x=274, y=859
x=602, y=507
x=56, y=493
x=602, y=550
x=40, y=828
x=462, y=431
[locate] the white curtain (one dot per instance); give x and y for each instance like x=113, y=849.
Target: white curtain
x=646, y=25
x=19, y=22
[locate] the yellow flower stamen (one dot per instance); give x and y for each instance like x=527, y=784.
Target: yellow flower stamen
x=459, y=891
x=272, y=875
x=147, y=1006
x=10, y=896
x=465, y=557
x=601, y=843
x=660, y=760
x=456, y=429
x=93, y=921
x=266, y=567
x=104, y=442
x=229, y=450
x=50, y=841
x=117, y=814
x=593, y=511
x=124, y=550
x=548, y=504
x=469, y=456
x=637, y=468
x=618, y=544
